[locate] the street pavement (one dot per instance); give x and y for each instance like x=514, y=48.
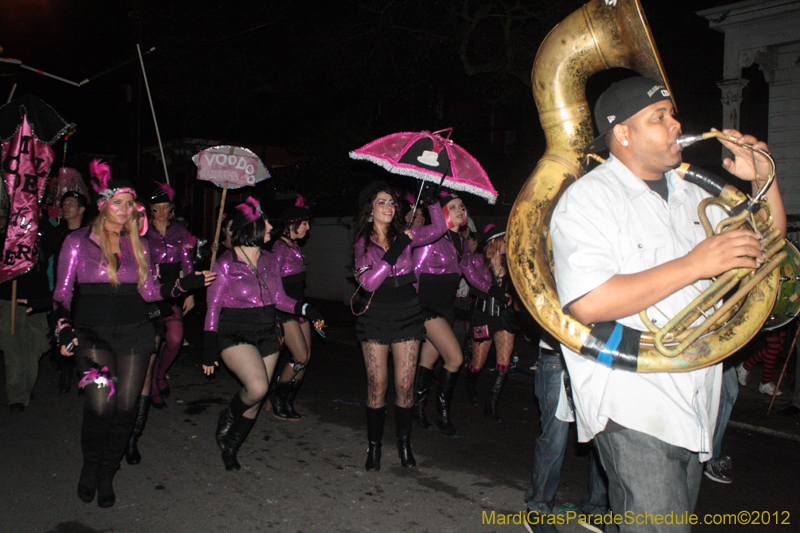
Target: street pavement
x=309, y=476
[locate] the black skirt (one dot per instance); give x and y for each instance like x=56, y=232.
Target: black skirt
x=386, y=324
x=283, y=318
x=437, y=295
x=483, y=327
x=137, y=339
x=255, y=326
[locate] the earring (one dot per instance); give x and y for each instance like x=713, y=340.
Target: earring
x=624, y=143
x=369, y=219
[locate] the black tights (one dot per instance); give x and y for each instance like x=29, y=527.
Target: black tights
x=254, y=371
x=128, y=368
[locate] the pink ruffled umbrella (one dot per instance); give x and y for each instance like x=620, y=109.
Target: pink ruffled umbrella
x=429, y=157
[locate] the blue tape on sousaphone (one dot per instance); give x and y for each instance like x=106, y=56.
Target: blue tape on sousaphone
x=613, y=345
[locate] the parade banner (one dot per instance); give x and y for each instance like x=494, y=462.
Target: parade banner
x=227, y=168
x=25, y=165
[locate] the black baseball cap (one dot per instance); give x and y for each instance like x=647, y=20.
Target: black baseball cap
x=620, y=102
x=82, y=201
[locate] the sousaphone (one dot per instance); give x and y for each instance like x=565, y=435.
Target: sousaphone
x=600, y=35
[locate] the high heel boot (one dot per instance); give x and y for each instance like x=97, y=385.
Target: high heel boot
x=402, y=420
x=472, y=385
x=375, y=421
x=494, y=395
x=132, y=455
x=296, y=384
x=94, y=432
x=227, y=418
x=281, y=401
x=444, y=397
x=422, y=386
x=236, y=438
x=118, y=435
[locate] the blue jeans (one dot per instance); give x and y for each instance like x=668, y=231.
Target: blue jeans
x=727, y=397
x=548, y=454
x=647, y=475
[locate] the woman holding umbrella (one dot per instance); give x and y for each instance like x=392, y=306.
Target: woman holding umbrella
x=439, y=267
x=392, y=316
x=241, y=323
x=104, y=324
x=490, y=318
x=296, y=330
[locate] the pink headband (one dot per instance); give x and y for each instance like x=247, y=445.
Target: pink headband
x=101, y=182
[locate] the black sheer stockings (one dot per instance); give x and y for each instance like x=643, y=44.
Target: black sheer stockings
x=253, y=371
x=129, y=369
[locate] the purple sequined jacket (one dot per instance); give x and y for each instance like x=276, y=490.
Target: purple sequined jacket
x=440, y=258
x=236, y=286
x=289, y=257
x=173, y=247
x=482, y=272
x=82, y=261
x=372, y=278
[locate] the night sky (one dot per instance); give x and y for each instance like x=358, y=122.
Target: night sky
x=321, y=78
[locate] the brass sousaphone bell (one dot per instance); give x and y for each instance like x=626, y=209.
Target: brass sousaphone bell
x=600, y=35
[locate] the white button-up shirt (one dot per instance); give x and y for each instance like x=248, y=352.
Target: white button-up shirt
x=610, y=222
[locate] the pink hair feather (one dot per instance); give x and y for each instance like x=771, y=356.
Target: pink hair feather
x=169, y=191
x=251, y=209
x=101, y=175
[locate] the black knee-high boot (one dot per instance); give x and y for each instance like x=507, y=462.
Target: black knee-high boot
x=296, y=384
x=94, y=432
x=227, y=418
x=444, y=397
x=132, y=454
x=422, y=386
x=472, y=385
x=118, y=435
x=282, y=407
x=236, y=438
x=494, y=396
x=375, y=421
x=402, y=420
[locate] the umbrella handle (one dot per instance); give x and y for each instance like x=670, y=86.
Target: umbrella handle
x=219, y=223
x=414, y=211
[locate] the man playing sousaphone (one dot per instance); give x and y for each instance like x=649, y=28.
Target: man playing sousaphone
x=627, y=237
